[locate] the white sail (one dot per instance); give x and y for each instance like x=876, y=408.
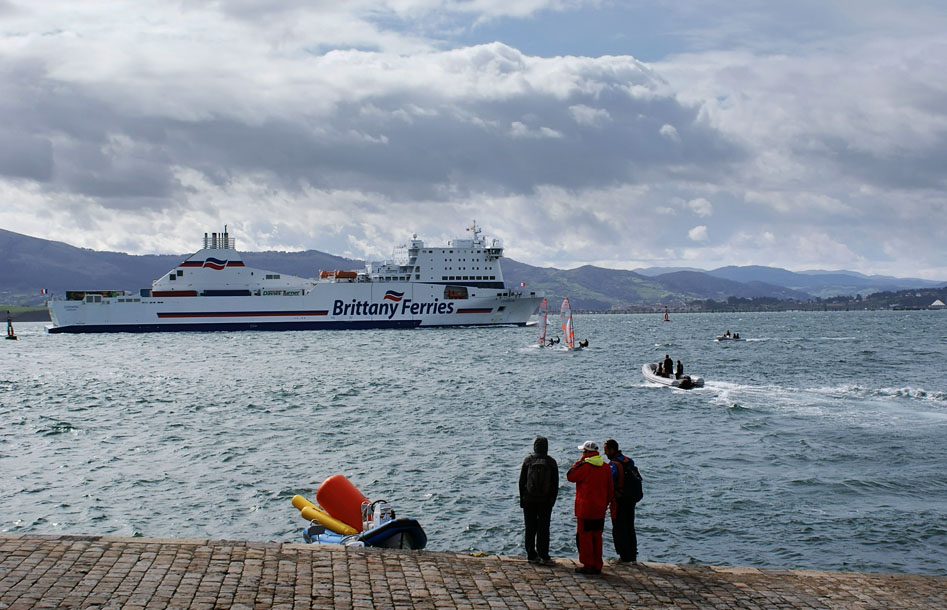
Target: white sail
x=542, y=322
x=565, y=316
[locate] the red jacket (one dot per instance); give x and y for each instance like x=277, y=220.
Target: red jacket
x=594, y=489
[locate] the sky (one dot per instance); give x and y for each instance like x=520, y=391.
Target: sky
x=701, y=133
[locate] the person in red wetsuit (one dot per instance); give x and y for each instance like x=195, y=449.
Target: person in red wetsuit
x=594, y=492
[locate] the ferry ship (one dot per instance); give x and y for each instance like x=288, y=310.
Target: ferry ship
x=460, y=284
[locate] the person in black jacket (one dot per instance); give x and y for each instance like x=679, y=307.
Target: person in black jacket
x=668, y=365
x=539, y=488
x=623, y=508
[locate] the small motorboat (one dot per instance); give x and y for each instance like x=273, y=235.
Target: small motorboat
x=730, y=338
x=400, y=533
x=344, y=516
x=685, y=382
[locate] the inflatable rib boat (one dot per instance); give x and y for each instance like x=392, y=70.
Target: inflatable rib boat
x=649, y=371
x=346, y=517
x=395, y=534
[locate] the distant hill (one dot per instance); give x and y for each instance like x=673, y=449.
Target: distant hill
x=653, y=271
x=822, y=284
x=29, y=264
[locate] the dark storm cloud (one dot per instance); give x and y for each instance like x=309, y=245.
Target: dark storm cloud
x=105, y=149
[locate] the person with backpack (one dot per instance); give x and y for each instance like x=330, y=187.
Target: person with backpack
x=593, y=494
x=628, y=492
x=539, y=488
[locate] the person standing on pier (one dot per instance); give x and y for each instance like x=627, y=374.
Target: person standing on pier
x=627, y=482
x=593, y=494
x=539, y=488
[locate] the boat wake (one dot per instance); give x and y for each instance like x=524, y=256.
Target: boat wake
x=850, y=390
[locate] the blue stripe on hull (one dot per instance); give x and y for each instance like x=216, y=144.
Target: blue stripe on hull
x=230, y=326
x=263, y=326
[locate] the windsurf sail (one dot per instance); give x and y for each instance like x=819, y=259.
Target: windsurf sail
x=565, y=316
x=542, y=323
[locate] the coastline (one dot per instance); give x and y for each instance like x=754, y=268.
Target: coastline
x=96, y=571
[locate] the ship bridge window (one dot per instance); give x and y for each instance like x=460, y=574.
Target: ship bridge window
x=180, y=272
x=272, y=276
x=172, y=277
x=455, y=292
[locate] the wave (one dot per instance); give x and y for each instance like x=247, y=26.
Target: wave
x=59, y=427
x=726, y=390
x=847, y=390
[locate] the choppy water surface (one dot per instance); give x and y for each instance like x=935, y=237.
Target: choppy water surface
x=817, y=443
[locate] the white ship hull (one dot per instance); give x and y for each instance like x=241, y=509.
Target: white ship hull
x=326, y=306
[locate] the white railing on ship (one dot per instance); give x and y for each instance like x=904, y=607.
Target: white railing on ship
x=219, y=241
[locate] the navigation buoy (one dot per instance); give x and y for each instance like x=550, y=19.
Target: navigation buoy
x=10, y=333
x=342, y=500
x=666, y=318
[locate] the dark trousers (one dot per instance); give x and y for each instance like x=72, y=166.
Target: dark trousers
x=588, y=537
x=623, y=531
x=537, y=518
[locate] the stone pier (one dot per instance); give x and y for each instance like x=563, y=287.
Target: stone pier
x=38, y=571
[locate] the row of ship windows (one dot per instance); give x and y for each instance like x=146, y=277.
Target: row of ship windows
x=180, y=272
x=451, y=251
x=97, y=298
x=467, y=277
x=462, y=260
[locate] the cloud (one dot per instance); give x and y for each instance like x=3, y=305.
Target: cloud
x=586, y=115
x=345, y=127
x=701, y=206
x=670, y=132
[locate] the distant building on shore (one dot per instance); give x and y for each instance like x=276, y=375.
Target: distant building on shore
x=938, y=304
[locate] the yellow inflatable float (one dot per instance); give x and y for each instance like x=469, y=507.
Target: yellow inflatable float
x=312, y=512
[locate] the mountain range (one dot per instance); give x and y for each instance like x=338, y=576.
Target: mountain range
x=29, y=264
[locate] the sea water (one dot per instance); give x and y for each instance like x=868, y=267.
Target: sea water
x=819, y=442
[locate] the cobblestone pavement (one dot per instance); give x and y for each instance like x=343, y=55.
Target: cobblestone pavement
x=130, y=573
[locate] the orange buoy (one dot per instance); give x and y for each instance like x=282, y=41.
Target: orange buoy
x=341, y=500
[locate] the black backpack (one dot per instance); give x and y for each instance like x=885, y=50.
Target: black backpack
x=538, y=475
x=632, y=489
